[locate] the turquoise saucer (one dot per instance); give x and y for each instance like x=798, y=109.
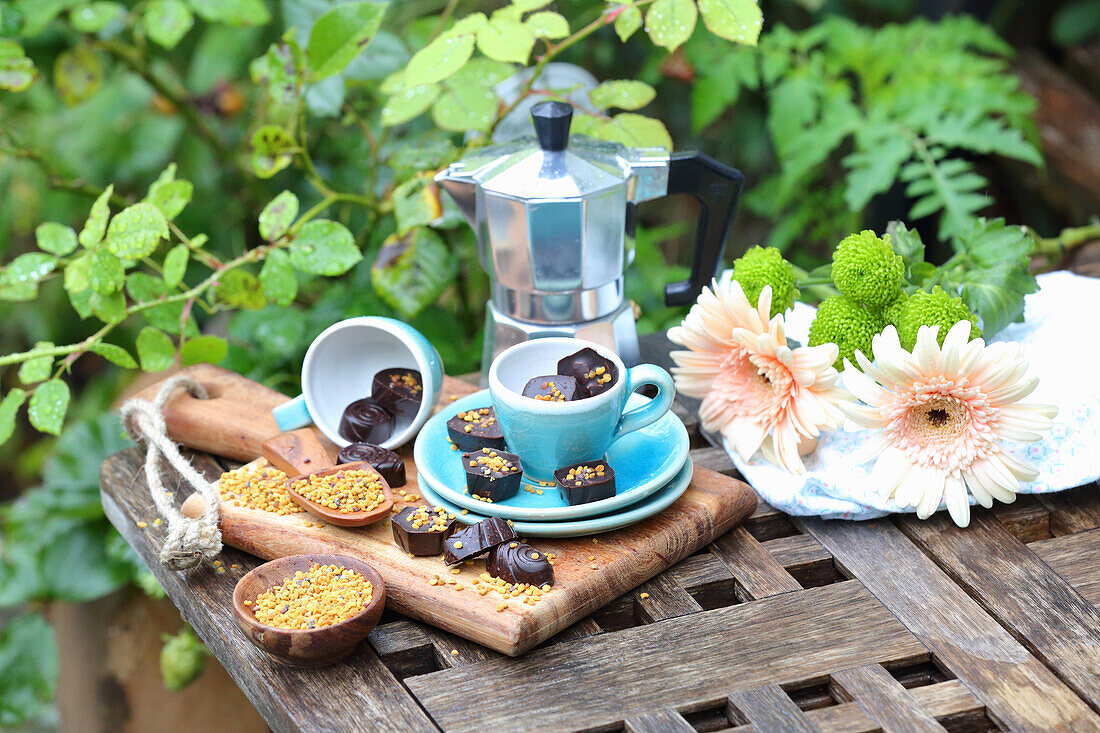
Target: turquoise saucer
x=644, y=462
x=578, y=528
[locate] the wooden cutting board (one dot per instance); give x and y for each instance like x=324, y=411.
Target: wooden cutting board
x=237, y=420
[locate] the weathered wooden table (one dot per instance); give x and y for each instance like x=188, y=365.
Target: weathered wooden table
x=783, y=624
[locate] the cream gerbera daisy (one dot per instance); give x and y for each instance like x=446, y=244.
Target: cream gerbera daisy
x=759, y=393
x=940, y=415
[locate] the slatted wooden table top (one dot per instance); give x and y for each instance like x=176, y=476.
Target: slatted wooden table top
x=783, y=624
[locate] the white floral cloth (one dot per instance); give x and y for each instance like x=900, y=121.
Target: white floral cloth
x=1061, y=337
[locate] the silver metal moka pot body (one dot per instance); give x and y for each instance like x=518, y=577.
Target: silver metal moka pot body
x=554, y=223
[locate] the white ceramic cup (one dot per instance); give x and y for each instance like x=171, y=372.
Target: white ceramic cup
x=339, y=368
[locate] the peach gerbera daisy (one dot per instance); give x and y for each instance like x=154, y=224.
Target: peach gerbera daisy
x=940, y=415
x=757, y=391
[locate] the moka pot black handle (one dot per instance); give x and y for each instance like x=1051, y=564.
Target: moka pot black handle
x=717, y=188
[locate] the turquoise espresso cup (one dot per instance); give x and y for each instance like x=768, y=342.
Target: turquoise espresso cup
x=549, y=435
x=339, y=368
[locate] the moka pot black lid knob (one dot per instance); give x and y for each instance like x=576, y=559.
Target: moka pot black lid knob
x=552, y=121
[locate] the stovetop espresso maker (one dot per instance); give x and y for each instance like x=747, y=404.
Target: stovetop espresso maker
x=555, y=221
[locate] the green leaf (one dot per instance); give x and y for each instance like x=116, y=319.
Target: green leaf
x=991, y=243
x=9, y=408
x=203, y=350
x=167, y=21
x=135, y=231
x=340, y=34
x=278, y=215
x=175, y=265
x=95, y=16
x=277, y=278
x=38, y=368
x=505, y=39
x=734, y=20
x=627, y=128
x=627, y=22
x=96, y=225
x=77, y=74
x=996, y=294
x=115, y=354
x=48, y=406
x=78, y=273
x=874, y=168
x=106, y=273
x=548, y=24
x=324, y=247
x=412, y=270
x=81, y=302
x=464, y=107
x=155, y=350
x=906, y=243
x=272, y=148
x=169, y=195
x=416, y=202
x=16, y=70
x=30, y=268
x=670, y=22
x=406, y=104
x=232, y=12
x=240, y=289
x=57, y=239
x=109, y=308
x=622, y=94
x=28, y=656
x=440, y=58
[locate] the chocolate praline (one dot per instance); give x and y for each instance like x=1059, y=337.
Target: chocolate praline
x=365, y=421
x=477, y=539
x=399, y=390
x=517, y=562
x=475, y=429
x=551, y=388
x=491, y=474
x=385, y=461
x=594, y=373
x=421, y=531
x=585, y=482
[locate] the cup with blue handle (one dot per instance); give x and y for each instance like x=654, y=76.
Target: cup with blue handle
x=339, y=368
x=549, y=435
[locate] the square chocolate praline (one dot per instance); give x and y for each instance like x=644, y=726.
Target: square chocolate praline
x=585, y=482
x=594, y=373
x=492, y=474
x=552, y=388
x=421, y=530
x=475, y=429
x=399, y=390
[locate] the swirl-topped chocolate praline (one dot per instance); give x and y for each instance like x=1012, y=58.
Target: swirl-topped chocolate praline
x=517, y=562
x=386, y=462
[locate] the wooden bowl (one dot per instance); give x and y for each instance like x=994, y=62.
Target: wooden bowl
x=306, y=647
x=350, y=519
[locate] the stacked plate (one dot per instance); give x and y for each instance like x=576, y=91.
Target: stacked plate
x=652, y=470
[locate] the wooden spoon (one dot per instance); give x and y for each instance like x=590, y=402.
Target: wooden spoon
x=300, y=451
x=343, y=519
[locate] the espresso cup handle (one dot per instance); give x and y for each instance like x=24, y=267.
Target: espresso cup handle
x=292, y=414
x=657, y=407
